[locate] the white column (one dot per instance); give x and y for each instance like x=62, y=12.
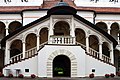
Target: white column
x=109, y=25
x=50, y=29
x=23, y=49
x=118, y=40
x=109, y=31
x=7, y=54
x=100, y=50
x=87, y=44
x=112, y=54
x=38, y=41
x=72, y=29
x=7, y=28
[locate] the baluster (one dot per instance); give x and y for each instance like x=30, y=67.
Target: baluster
x=17, y=57
x=10, y=61
x=62, y=40
x=14, y=59
x=58, y=40
x=30, y=53
x=68, y=40
x=53, y=40
x=25, y=54
x=33, y=52
x=36, y=51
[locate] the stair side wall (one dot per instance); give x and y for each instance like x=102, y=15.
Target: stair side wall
x=100, y=67
x=30, y=64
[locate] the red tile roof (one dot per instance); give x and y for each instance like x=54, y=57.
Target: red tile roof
x=16, y=8
x=49, y=4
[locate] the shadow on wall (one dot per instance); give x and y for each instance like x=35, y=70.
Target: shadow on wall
x=1, y=60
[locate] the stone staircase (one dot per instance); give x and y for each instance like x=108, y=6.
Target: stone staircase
x=28, y=54
x=33, y=52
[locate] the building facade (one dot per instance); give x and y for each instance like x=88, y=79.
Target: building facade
x=59, y=38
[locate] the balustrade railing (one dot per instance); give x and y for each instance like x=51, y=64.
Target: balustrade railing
x=30, y=52
x=41, y=45
x=93, y=53
x=16, y=58
x=82, y=45
x=106, y=58
x=59, y=40
x=62, y=40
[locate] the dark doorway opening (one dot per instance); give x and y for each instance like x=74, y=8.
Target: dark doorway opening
x=61, y=66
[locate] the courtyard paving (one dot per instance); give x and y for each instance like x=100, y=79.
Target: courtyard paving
x=96, y=78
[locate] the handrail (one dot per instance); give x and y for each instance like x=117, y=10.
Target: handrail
x=94, y=53
x=16, y=58
x=31, y=52
x=41, y=45
x=64, y=40
x=106, y=58
x=82, y=45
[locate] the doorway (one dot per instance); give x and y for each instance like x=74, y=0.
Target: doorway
x=61, y=66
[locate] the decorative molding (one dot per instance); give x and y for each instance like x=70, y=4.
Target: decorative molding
x=62, y=52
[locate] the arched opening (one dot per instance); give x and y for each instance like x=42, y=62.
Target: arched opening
x=80, y=36
x=114, y=30
x=14, y=26
x=43, y=35
x=61, y=66
x=102, y=26
x=62, y=28
x=2, y=30
x=31, y=41
x=15, y=48
x=105, y=49
x=93, y=42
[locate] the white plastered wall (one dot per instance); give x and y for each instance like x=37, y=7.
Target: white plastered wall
x=30, y=16
x=48, y=50
x=100, y=67
x=30, y=64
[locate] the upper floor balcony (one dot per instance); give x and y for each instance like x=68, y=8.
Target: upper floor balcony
x=63, y=40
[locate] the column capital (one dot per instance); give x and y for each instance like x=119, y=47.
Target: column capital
x=100, y=43
x=6, y=28
x=23, y=42
x=109, y=29
x=37, y=35
x=86, y=36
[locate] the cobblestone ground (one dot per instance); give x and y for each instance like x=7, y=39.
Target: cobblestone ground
x=96, y=78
